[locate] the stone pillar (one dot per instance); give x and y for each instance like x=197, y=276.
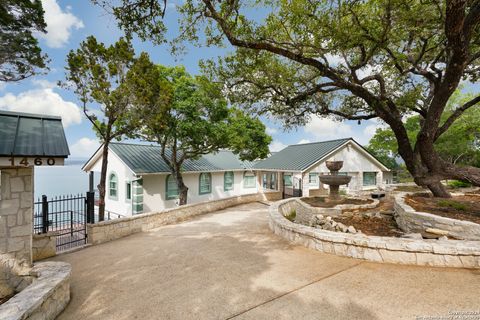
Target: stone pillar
x=16, y=213
x=305, y=184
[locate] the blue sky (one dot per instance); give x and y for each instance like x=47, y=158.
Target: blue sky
x=70, y=21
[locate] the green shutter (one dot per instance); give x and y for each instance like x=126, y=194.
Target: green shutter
x=171, y=188
x=205, y=181
x=228, y=178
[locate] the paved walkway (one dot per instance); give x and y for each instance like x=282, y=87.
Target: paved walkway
x=228, y=265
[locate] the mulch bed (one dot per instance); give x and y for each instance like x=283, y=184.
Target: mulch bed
x=320, y=202
x=373, y=226
x=465, y=207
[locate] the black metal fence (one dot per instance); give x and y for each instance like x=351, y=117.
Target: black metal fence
x=67, y=216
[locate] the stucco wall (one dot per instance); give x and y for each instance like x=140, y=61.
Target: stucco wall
x=154, y=196
x=16, y=212
x=119, y=205
x=355, y=162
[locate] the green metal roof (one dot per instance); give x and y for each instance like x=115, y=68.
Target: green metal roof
x=147, y=159
x=32, y=135
x=299, y=157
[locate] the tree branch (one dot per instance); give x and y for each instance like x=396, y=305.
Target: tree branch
x=455, y=115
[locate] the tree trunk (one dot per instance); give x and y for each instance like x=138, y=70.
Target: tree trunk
x=101, y=186
x=182, y=188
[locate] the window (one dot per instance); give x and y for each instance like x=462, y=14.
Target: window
x=171, y=188
x=264, y=181
x=228, y=181
x=369, y=178
x=313, y=179
x=205, y=183
x=128, y=192
x=287, y=180
x=249, y=180
x=273, y=181
x=112, y=190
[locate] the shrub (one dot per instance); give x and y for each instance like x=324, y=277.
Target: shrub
x=291, y=215
x=453, y=204
x=455, y=184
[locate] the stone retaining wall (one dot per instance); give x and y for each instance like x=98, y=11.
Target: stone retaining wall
x=410, y=220
x=306, y=212
x=118, y=228
x=45, y=298
x=16, y=200
x=439, y=253
x=44, y=246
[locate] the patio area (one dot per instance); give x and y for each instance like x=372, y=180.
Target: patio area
x=229, y=265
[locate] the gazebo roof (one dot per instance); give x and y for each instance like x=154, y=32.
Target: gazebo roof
x=32, y=135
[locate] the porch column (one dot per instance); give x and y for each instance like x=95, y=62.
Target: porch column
x=16, y=212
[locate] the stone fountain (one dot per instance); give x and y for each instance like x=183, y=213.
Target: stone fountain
x=334, y=180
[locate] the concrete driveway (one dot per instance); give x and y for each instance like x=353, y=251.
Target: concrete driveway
x=228, y=265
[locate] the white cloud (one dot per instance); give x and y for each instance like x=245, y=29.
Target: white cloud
x=59, y=24
x=271, y=131
x=277, y=146
x=303, y=141
x=328, y=129
x=369, y=131
x=84, y=148
x=42, y=100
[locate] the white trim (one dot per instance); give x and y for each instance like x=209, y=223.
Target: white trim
x=96, y=156
x=354, y=143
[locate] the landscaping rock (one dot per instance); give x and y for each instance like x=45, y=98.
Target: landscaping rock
x=412, y=236
x=351, y=229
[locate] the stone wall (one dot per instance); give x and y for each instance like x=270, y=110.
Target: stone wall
x=439, y=253
x=306, y=212
x=118, y=228
x=410, y=220
x=44, y=298
x=44, y=246
x=16, y=212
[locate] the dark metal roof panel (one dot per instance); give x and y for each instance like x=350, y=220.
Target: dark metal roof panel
x=23, y=134
x=147, y=159
x=300, y=156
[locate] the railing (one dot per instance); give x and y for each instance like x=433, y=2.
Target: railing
x=66, y=216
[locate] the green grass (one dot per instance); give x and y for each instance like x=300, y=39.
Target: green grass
x=455, y=184
x=452, y=204
x=291, y=215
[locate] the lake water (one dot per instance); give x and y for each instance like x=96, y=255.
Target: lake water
x=61, y=180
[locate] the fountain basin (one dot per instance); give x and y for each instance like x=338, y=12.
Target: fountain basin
x=334, y=165
x=335, y=180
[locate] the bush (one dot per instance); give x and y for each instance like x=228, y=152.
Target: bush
x=452, y=204
x=455, y=184
x=291, y=215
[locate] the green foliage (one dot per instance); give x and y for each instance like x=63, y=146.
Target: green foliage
x=188, y=116
x=456, y=184
x=20, y=54
x=191, y=117
x=355, y=60
x=453, y=204
x=291, y=215
x=106, y=79
x=100, y=76
x=458, y=145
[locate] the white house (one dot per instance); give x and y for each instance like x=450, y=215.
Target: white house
x=138, y=180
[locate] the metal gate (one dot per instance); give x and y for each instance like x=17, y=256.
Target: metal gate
x=67, y=216
x=295, y=190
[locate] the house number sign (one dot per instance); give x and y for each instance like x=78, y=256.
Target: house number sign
x=30, y=161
